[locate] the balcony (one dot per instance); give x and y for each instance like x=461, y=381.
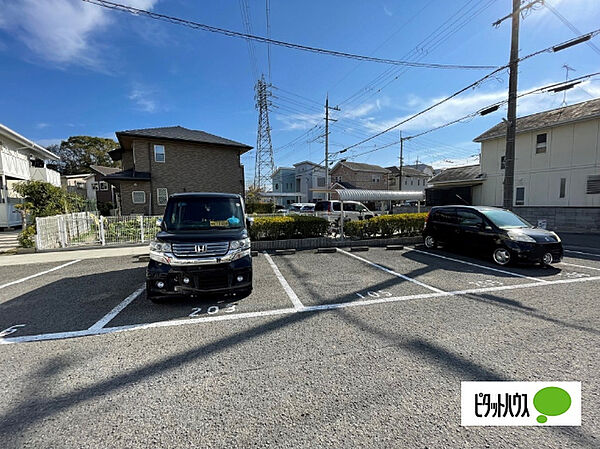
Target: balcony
x=14, y=164
x=45, y=174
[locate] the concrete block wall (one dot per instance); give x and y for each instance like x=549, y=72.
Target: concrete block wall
x=566, y=219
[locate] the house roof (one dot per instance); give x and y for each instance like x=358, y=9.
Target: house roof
x=80, y=175
x=101, y=169
x=458, y=174
x=345, y=185
x=128, y=175
x=359, y=166
x=280, y=169
x=27, y=144
x=308, y=162
x=406, y=171
x=180, y=133
x=576, y=112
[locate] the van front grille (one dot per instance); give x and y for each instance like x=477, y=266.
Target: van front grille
x=211, y=249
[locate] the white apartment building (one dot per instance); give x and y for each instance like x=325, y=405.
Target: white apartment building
x=20, y=160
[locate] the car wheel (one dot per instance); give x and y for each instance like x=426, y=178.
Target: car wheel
x=430, y=242
x=501, y=256
x=547, y=259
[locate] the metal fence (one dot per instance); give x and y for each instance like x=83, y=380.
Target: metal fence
x=89, y=229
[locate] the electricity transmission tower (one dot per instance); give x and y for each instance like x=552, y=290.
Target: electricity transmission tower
x=264, y=165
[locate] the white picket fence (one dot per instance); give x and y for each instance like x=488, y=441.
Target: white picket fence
x=91, y=229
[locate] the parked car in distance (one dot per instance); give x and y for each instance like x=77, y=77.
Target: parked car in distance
x=332, y=210
x=491, y=231
x=202, y=247
x=301, y=208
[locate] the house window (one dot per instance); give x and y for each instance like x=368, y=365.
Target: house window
x=276, y=186
x=563, y=187
x=541, y=142
x=593, y=184
x=159, y=153
x=418, y=182
x=405, y=182
x=338, y=179
x=502, y=162
x=412, y=182
x=376, y=178
x=519, y=196
x=162, y=196
x=320, y=182
x=138, y=197
x=103, y=185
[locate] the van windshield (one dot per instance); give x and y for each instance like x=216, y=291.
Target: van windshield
x=505, y=219
x=201, y=213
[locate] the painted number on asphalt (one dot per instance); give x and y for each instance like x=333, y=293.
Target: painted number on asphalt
x=211, y=310
x=574, y=274
x=376, y=294
x=486, y=283
x=11, y=330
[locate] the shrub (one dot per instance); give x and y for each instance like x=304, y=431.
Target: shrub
x=26, y=236
x=260, y=208
x=297, y=226
x=385, y=225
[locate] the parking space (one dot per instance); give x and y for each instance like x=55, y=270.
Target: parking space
x=267, y=294
x=87, y=297
x=320, y=279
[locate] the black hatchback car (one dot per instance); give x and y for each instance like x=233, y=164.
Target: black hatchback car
x=491, y=231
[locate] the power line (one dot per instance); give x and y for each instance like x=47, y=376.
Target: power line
x=268, y=14
x=264, y=40
x=475, y=84
x=555, y=87
x=569, y=25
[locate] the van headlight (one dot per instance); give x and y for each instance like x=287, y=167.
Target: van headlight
x=160, y=247
x=240, y=244
x=520, y=237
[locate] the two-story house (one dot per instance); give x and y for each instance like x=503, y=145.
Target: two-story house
x=20, y=160
x=412, y=180
x=311, y=184
x=157, y=162
x=557, y=167
x=284, y=186
x=360, y=176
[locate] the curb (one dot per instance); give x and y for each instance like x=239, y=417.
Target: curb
x=322, y=244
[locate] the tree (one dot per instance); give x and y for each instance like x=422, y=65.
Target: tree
x=77, y=153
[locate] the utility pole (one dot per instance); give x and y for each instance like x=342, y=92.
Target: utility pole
x=401, y=159
x=327, y=120
x=509, y=158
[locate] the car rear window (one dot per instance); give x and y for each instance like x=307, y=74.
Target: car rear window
x=322, y=206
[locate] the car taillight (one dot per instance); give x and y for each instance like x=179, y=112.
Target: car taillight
x=426, y=219
x=328, y=208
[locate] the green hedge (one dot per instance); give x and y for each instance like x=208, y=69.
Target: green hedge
x=259, y=208
x=291, y=227
x=385, y=225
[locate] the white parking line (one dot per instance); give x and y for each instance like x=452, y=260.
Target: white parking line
x=387, y=270
x=288, y=290
x=18, y=281
x=579, y=266
x=268, y=313
x=581, y=252
x=114, y=312
x=484, y=267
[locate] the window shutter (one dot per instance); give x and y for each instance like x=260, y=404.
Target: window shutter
x=593, y=184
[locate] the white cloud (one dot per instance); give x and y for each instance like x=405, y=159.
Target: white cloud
x=460, y=106
x=142, y=98
x=60, y=31
x=42, y=125
x=387, y=11
x=47, y=142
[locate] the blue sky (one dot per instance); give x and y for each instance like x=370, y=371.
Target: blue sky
x=71, y=68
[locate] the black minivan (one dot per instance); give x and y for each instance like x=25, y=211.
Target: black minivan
x=491, y=231
x=202, y=247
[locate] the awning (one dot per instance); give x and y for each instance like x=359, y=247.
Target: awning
x=378, y=195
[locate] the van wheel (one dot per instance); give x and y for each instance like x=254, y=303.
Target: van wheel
x=430, y=242
x=501, y=256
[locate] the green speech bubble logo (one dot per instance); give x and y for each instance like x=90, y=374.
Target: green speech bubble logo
x=551, y=401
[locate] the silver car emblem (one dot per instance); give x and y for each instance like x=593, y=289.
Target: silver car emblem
x=200, y=248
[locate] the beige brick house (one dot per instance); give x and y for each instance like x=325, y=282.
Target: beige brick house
x=158, y=162
x=357, y=175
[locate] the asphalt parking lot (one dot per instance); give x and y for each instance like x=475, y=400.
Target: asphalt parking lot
x=342, y=349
